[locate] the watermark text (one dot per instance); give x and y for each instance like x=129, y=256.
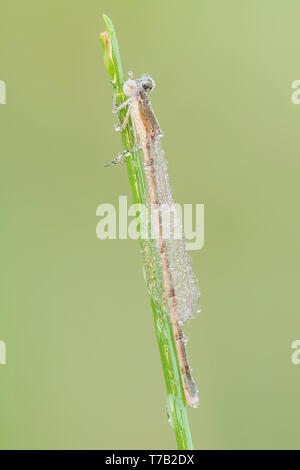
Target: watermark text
x=167, y=221
x=2, y=92
x=2, y=353
x=295, y=97
x=295, y=357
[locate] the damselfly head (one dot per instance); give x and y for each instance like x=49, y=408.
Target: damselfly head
x=146, y=83
x=132, y=87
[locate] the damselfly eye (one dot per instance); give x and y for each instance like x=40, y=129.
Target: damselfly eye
x=146, y=83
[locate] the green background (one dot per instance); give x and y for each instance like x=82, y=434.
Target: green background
x=83, y=369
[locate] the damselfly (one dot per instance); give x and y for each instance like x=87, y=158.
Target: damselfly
x=179, y=283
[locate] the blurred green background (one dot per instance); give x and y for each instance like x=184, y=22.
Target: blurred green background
x=78, y=374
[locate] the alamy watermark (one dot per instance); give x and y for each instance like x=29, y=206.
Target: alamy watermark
x=295, y=357
x=2, y=92
x=295, y=97
x=2, y=353
x=174, y=220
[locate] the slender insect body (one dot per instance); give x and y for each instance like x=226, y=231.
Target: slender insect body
x=180, y=284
